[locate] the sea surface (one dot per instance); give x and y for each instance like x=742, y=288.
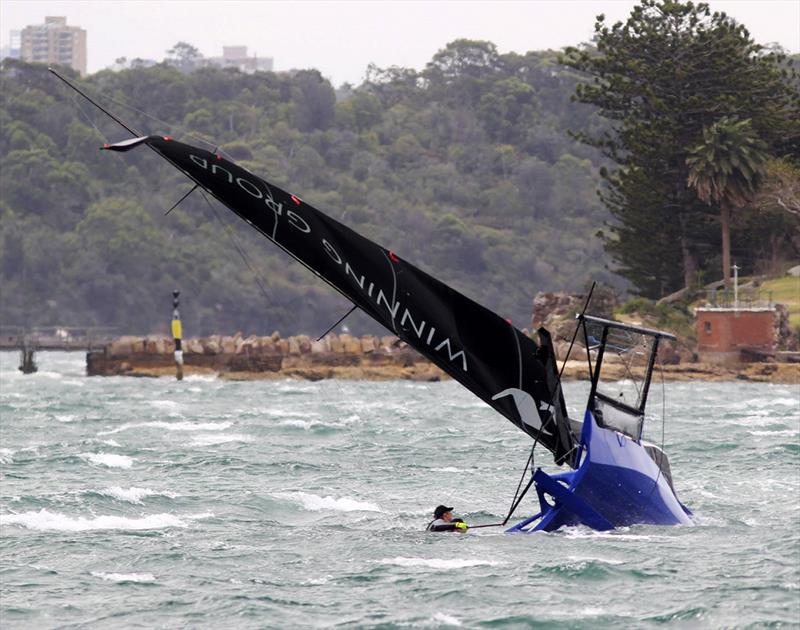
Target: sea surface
x=144, y=503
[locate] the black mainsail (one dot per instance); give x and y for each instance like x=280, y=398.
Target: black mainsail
x=479, y=349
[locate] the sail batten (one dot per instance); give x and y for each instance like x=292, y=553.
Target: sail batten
x=478, y=348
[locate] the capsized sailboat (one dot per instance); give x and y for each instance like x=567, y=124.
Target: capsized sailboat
x=616, y=478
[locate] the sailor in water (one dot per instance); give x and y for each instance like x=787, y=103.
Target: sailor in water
x=443, y=521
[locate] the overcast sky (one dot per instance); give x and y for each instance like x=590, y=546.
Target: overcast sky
x=340, y=38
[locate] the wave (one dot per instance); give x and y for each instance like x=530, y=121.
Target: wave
x=786, y=432
x=171, y=426
x=65, y=417
x=125, y=577
x=110, y=460
x=441, y=618
x=439, y=563
x=6, y=456
x=54, y=521
x=316, y=503
x=224, y=438
x=133, y=494
x=163, y=404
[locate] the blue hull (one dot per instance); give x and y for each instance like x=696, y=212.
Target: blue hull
x=616, y=484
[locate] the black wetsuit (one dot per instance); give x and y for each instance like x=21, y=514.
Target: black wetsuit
x=440, y=525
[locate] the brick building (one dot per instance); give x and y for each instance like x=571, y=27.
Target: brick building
x=731, y=335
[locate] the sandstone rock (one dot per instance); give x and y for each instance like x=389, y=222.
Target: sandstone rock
x=368, y=344
x=210, y=345
x=138, y=345
x=351, y=344
x=294, y=347
x=282, y=345
x=227, y=345
x=304, y=342
x=335, y=343
x=121, y=347
x=389, y=342
x=192, y=346
x=275, y=336
x=320, y=347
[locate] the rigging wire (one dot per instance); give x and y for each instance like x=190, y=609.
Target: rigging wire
x=531, y=461
x=237, y=247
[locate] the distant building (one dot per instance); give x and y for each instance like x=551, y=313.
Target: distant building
x=730, y=332
x=236, y=57
x=12, y=51
x=54, y=43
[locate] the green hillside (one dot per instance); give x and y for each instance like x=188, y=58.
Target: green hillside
x=468, y=173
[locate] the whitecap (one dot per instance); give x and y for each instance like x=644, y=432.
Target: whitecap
x=54, y=521
x=203, y=378
x=133, y=494
x=65, y=417
x=316, y=503
x=786, y=432
x=210, y=439
x=125, y=577
x=581, y=559
x=6, y=456
x=447, y=564
x=300, y=424
x=441, y=618
x=110, y=460
x=163, y=404
x=171, y=426
x=451, y=469
x=110, y=443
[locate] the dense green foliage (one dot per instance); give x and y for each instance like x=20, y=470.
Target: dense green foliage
x=465, y=169
x=662, y=79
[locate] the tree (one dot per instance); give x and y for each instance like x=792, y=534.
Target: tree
x=184, y=56
x=726, y=169
x=671, y=70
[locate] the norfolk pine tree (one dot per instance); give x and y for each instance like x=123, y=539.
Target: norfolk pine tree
x=671, y=70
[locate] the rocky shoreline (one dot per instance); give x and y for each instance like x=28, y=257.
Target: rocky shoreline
x=347, y=357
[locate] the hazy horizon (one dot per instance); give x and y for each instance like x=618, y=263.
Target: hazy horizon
x=342, y=38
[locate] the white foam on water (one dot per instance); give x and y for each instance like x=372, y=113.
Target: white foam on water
x=444, y=619
x=448, y=469
x=582, y=559
x=770, y=402
x=6, y=456
x=47, y=374
x=125, y=577
x=277, y=412
x=111, y=460
x=439, y=563
x=65, y=417
x=300, y=424
x=133, y=494
x=786, y=432
x=210, y=439
x=317, y=503
x=53, y=521
x=111, y=443
x=201, y=378
x=171, y=426
x=163, y=404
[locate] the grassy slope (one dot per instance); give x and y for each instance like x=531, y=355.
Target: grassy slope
x=786, y=291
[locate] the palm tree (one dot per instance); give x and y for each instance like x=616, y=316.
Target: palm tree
x=727, y=169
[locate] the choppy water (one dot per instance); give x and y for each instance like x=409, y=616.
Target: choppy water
x=151, y=503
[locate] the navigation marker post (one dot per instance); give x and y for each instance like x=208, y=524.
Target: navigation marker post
x=177, y=333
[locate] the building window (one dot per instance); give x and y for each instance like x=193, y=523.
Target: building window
x=707, y=327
